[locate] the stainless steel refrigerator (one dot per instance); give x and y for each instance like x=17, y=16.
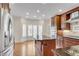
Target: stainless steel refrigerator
x=6, y=33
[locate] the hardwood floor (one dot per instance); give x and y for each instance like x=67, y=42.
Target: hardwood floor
x=30, y=48
x=26, y=48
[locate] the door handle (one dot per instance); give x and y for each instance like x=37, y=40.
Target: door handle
x=5, y=36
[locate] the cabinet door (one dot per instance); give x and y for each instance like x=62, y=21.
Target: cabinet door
x=38, y=48
x=59, y=42
x=63, y=19
x=70, y=42
x=6, y=6
x=58, y=22
x=47, y=47
x=0, y=5
x=47, y=51
x=66, y=42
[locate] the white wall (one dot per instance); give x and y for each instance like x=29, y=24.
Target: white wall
x=18, y=22
x=31, y=22
x=46, y=27
x=17, y=28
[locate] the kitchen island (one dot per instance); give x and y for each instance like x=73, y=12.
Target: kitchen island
x=43, y=47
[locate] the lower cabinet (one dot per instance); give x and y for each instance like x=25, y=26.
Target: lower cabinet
x=70, y=42
x=59, y=42
x=47, y=46
x=38, y=48
x=44, y=47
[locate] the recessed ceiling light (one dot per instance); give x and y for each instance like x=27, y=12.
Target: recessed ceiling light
x=34, y=16
x=60, y=10
x=43, y=15
x=38, y=11
x=27, y=13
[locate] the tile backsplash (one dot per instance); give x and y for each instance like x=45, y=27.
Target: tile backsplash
x=75, y=26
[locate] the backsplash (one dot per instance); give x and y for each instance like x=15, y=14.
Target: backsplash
x=75, y=26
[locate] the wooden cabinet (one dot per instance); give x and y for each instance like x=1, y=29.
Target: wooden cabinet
x=67, y=16
x=63, y=18
x=56, y=21
x=64, y=25
x=0, y=5
x=47, y=46
x=44, y=47
x=5, y=6
x=70, y=42
x=38, y=48
x=60, y=20
x=59, y=41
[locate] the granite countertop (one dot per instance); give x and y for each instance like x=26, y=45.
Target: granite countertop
x=60, y=52
x=68, y=51
x=44, y=37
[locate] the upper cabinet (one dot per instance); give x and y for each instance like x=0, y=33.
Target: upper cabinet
x=56, y=21
x=67, y=21
x=5, y=6
x=63, y=18
x=65, y=25
x=70, y=18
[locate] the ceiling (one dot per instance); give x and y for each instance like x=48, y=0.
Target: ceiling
x=39, y=10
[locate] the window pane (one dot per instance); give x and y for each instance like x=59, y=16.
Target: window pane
x=24, y=30
x=29, y=30
x=40, y=32
x=35, y=31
